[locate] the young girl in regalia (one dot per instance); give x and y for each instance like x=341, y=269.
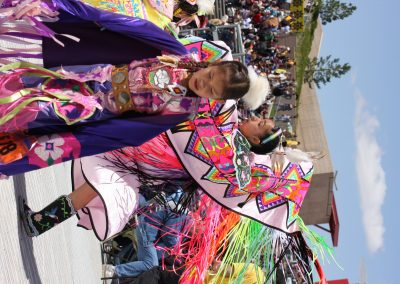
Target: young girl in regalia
x=85, y=110
x=50, y=116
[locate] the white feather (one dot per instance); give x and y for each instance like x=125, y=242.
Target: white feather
x=258, y=91
x=297, y=156
x=206, y=7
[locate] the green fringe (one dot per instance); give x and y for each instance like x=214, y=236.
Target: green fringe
x=251, y=242
x=316, y=243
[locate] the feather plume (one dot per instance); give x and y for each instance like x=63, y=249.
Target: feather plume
x=297, y=156
x=206, y=7
x=258, y=91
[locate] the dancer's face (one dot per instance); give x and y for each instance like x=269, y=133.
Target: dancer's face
x=209, y=82
x=255, y=129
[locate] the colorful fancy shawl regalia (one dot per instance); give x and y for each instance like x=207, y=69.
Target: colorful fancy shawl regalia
x=158, y=12
x=219, y=160
x=249, y=214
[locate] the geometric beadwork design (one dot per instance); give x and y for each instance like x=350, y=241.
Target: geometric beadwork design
x=279, y=190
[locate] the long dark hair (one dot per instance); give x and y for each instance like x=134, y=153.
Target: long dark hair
x=268, y=143
x=238, y=79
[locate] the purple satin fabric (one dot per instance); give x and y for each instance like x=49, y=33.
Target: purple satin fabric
x=21, y=54
x=95, y=46
x=129, y=26
x=104, y=136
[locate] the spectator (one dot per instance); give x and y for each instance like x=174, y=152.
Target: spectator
x=263, y=22
x=291, y=143
x=285, y=107
x=253, y=274
x=284, y=117
x=156, y=231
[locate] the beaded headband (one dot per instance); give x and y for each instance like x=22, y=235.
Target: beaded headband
x=272, y=136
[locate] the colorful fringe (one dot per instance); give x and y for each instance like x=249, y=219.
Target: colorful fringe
x=19, y=104
x=150, y=154
x=200, y=241
x=214, y=233
x=21, y=30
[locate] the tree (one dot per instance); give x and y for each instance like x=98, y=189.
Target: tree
x=332, y=10
x=322, y=70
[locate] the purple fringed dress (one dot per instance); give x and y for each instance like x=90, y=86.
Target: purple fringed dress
x=52, y=116
x=47, y=117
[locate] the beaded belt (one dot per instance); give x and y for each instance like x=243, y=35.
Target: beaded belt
x=120, y=86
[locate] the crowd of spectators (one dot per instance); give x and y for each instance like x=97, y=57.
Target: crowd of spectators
x=264, y=25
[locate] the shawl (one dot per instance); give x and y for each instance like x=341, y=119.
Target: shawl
x=218, y=158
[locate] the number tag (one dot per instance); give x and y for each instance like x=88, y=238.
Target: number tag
x=12, y=148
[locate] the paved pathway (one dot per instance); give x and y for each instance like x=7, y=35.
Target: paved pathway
x=308, y=94
x=66, y=254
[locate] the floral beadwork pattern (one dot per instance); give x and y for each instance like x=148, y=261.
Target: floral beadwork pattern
x=38, y=217
x=51, y=149
x=160, y=78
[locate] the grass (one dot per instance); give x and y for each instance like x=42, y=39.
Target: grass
x=303, y=47
x=272, y=113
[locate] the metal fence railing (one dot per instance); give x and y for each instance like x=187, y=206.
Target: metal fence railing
x=230, y=34
x=219, y=9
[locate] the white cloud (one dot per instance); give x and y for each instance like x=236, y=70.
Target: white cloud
x=370, y=174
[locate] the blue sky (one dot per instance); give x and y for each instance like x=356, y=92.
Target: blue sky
x=360, y=113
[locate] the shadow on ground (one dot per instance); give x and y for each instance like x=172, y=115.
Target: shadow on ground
x=25, y=242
